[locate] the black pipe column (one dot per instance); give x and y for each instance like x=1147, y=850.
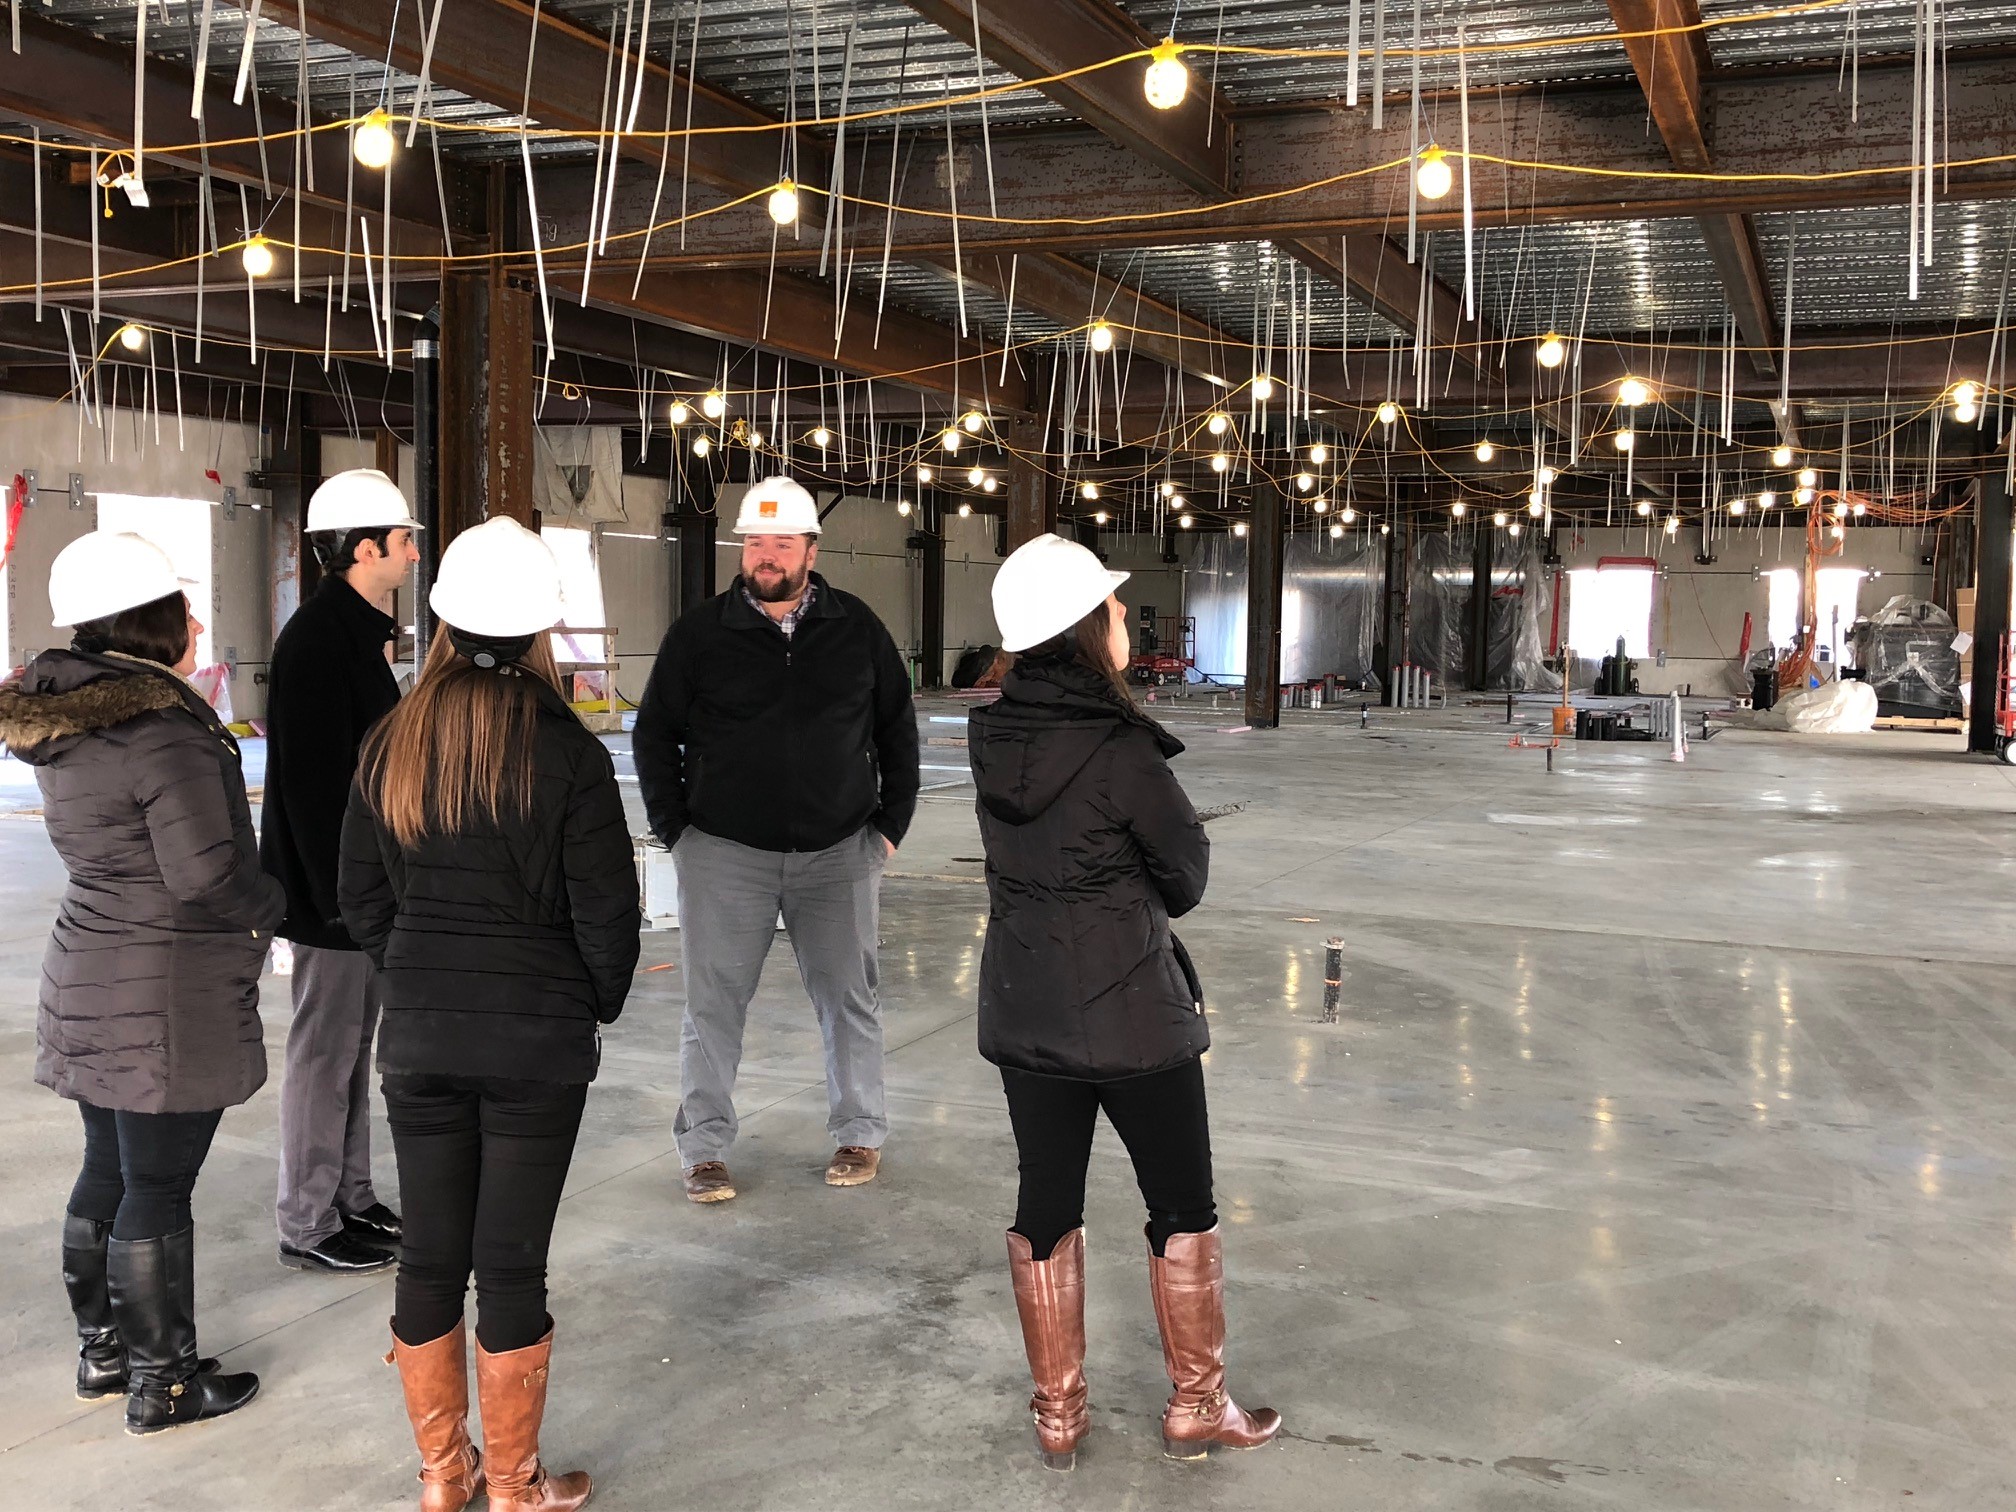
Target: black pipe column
x=929, y=542
x=1992, y=526
x=1264, y=546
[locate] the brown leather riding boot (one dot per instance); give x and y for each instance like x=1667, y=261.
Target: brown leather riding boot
x=436, y=1378
x=1050, y=1296
x=1188, y=1281
x=512, y=1389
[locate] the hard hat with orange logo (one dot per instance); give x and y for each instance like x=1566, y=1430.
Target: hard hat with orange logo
x=777, y=506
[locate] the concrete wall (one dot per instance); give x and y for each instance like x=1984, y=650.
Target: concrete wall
x=1697, y=610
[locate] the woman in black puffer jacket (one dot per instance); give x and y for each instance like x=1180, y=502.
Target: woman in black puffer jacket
x=149, y=1013
x=1087, y=1000
x=486, y=869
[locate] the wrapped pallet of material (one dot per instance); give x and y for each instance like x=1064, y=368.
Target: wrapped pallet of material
x=1834, y=708
x=1907, y=654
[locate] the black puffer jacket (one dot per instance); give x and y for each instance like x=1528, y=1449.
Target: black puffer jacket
x=501, y=949
x=1092, y=848
x=150, y=987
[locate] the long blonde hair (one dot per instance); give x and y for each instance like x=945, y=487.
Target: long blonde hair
x=457, y=749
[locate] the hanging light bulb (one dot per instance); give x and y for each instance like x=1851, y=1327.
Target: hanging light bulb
x=1965, y=414
x=1263, y=388
x=822, y=437
x=1839, y=533
x=1766, y=499
x=132, y=337
x=1672, y=524
x=1321, y=506
x=975, y=474
x=1513, y=530
x=1781, y=456
x=1550, y=351
x=1102, y=337
x=1804, y=496
x=1184, y=521
x=1737, y=506
x=1220, y=462
x=965, y=511
x=989, y=483
x=757, y=441
x=1385, y=529
x=679, y=413
x=1859, y=509
x=1387, y=412
x=1633, y=392
x=973, y=422
x=714, y=406
x=372, y=142
x=1458, y=509
x=1219, y=423
x=949, y=439
x=1168, y=78
x=1306, y=482
x=1168, y=489
x=903, y=507
x=1100, y=516
x=1347, y=514
x=1336, y=532
x=1644, y=507
x=1179, y=502
x=1319, y=454
x=1499, y=518
x=1535, y=504
x=1545, y=477
x=1088, y=490
x=257, y=257
x=1239, y=529
x=702, y=444
x=1486, y=451
x=1432, y=174
x=784, y=203
x=1808, y=478
x=1966, y=395
x=1624, y=440
x=924, y=474
x=1840, y=508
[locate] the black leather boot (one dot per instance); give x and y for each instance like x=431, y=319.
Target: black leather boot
x=101, y=1359
x=153, y=1288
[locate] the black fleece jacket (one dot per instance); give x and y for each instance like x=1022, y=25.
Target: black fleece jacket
x=778, y=743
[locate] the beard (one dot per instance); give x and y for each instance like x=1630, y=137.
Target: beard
x=777, y=586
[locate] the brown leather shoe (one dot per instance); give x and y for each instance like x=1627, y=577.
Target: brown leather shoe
x=853, y=1165
x=436, y=1378
x=512, y=1389
x=1050, y=1296
x=708, y=1182
x=1188, y=1282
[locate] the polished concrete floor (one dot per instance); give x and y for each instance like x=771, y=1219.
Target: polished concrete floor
x=1660, y=1158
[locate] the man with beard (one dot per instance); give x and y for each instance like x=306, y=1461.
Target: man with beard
x=777, y=750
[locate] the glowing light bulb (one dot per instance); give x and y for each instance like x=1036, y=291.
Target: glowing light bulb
x=1319, y=454
x=1840, y=509
x=1433, y=175
x=1633, y=392
x=949, y=439
x=784, y=203
x=1168, y=78
x=1306, y=482
x=1387, y=412
x=1839, y=533
x=1545, y=477
x=702, y=444
x=1965, y=414
x=1808, y=478
x=1263, y=388
x=1220, y=462
x=257, y=257
x=714, y=406
x=1184, y=521
x=822, y=437
x=1550, y=351
x=1766, y=499
x=372, y=142
x=1239, y=529
x=1486, y=451
x=1102, y=337
x=1672, y=524
x=1168, y=490
x=1336, y=532
x=1385, y=529
x=1219, y=423
x=1458, y=509
x=1781, y=456
x=1624, y=440
x=975, y=474
x=989, y=483
x=1513, y=530
x=1803, y=496
x=1966, y=395
x=1737, y=506
x=1088, y=490
x=965, y=511
x=132, y=337
x=1347, y=515
x=903, y=507
x=1644, y=506
x=1179, y=502
x=1860, y=509
x=973, y=422
x=1321, y=506
x=1500, y=518
x=1101, y=517
x=1535, y=505
x=925, y=475
x=679, y=413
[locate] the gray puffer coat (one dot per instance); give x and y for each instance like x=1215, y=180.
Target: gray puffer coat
x=150, y=988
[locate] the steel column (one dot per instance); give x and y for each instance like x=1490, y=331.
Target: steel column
x=1992, y=535
x=487, y=329
x=1264, y=541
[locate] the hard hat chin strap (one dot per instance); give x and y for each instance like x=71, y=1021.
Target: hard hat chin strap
x=491, y=652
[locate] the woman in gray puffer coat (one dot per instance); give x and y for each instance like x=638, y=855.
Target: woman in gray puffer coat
x=148, y=1016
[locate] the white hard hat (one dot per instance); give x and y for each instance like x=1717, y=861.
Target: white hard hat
x=361, y=499
x=498, y=579
x=1046, y=587
x=777, y=506
x=106, y=571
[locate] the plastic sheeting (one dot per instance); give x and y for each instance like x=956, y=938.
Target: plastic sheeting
x=1522, y=601
x=1438, y=607
x=1329, y=606
x=577, y=477
x=1835, y=708
x=1906, y=652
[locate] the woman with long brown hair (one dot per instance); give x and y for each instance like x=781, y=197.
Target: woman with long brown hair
x=487, y=871
x=1087, y=1001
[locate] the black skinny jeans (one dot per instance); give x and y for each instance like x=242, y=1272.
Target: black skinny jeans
x=140, y=1169
x=1161, y=1119
x=481, y=1164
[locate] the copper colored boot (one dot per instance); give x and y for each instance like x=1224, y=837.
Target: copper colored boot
x=1050, y=1296
x=512, y=1389
x=436, y=1378
x=1188, y=1280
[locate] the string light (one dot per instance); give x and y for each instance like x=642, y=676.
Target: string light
x=1486, y=451
x=1804, y=496
x=822, y=438
x=975, y=474
x=1766, y=499
x=1319, y=454
x=1633, y=392
x=1433, y=175
x=679, y=413
x=989, y=483
x=1388, y=412
x=714, y=406
x=1263, y=388
x=1808, y=478
x=1513, y=530
x=1183, y=521
x=1624, y=440
x=1550, y=351
x=1384, y=528
x=702, y=444
x=973, y=422
x=1860, y=509
x=1737, y=506
x=1781, y=456
x=1219, y=423
x=1644, y=507
x=1839, y=533
x=1966, y=402
x=1672, y=525
x=1336, y=532
x=1347, y=515
x=132, y=337
x=1545, y=477
x=924, y=473
x=1088, y=490
x=1535, y=505
x=1239, y=529
x=1168, y=489
x=965, y=511
x=903, y=507
x=1458, y=509
x=372, y=142
x=784, y=203
x=1168, y=78
x=1220, y=462
x=1500, y=518
x=1102, y=337
x=949, y=439
x=1305, y=481
x=257, y=257
x=1321, y=506
x=1100, y=517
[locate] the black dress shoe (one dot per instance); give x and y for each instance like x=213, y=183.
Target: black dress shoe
x=340, y=1252
x=376, y=1224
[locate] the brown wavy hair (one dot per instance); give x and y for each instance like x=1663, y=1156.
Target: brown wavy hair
x=1086, y=643
x=457, y=750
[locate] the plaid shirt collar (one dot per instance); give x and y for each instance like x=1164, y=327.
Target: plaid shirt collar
x=788, y=624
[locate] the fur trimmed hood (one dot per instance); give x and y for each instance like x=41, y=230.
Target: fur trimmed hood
x=50, y=707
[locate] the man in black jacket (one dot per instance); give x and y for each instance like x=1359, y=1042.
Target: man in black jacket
x=777, y=750
x=330, y=681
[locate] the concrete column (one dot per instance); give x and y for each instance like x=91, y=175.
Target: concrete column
x=1265, y=539
x=487, y=331
x=1992, y=526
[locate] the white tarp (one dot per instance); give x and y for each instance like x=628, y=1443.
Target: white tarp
x=1845, y=707
x=578, y=476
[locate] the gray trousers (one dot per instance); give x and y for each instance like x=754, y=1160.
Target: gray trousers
x=729, y=898
x=325, y=1095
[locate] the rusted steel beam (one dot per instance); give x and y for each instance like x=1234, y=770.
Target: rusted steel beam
x=487, y=398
